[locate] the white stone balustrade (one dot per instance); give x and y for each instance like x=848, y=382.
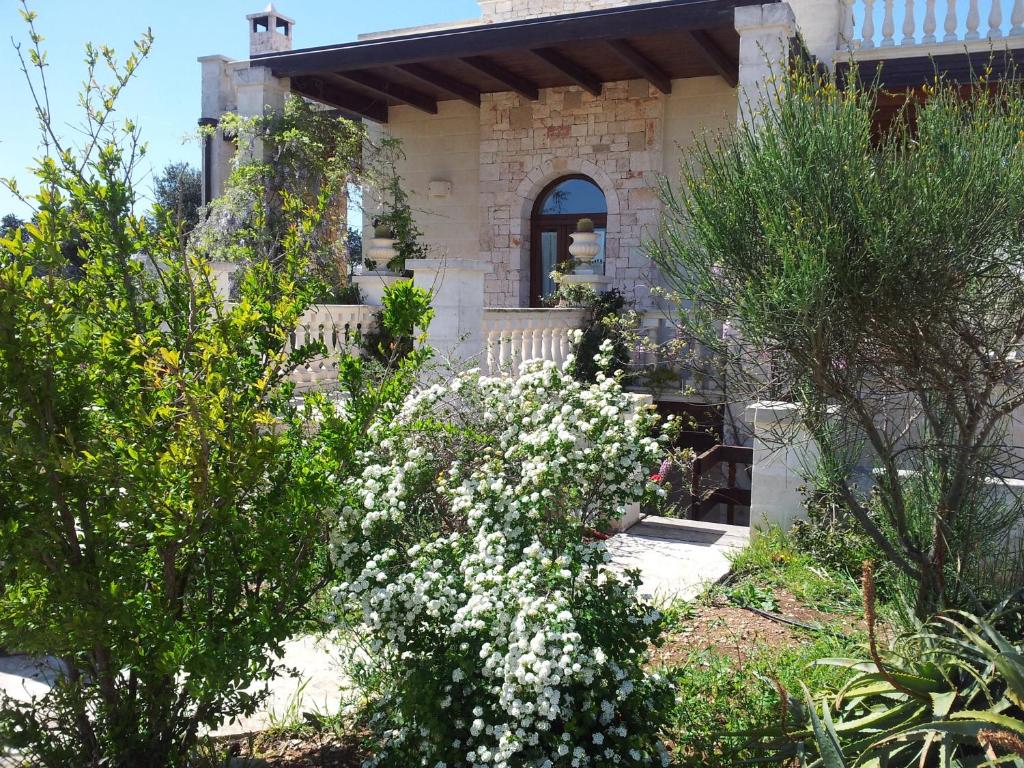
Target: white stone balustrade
x=514, y=335
x=881, y=24
x=339, y=327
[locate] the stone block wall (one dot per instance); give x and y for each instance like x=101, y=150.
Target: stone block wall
x=616, y=139
x=511, y=10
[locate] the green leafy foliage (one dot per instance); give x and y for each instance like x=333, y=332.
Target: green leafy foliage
x=873, y=281
x=949, y=693
x=178, y=191
x=161, y=512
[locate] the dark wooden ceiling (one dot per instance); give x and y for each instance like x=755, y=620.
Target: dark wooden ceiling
x=659, y=42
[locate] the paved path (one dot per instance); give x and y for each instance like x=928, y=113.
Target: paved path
x=676, y=560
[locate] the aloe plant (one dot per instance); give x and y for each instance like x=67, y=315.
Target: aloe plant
x=950, y=693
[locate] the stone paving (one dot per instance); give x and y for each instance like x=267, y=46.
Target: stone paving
x=676, y=560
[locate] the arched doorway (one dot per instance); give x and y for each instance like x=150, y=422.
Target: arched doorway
x=559, y=206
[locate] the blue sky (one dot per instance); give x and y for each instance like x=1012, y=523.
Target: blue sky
x=164, y=99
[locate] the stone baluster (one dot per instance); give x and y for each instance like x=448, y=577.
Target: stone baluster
x=973, y=21
x=888, y=25
x=995, y=20
x=525, y=344
x=1017, y=19
x=846, y=31
x=494, y=349
x=548, y=342
x=538, y=349
x=515, y=349
x=909, y=27
x=951, y=22
x=929, y=22
x=867, y=30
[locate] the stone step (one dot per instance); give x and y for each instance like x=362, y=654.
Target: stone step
x=693, y=531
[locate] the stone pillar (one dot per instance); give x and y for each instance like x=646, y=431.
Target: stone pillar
x=259, y=93
x=218, y=97
x=821, y=25
x=784, y=455
x=456, y=332
x=765, y=33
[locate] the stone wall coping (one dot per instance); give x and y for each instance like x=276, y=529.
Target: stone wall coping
x=449, y=265
x=527, y=310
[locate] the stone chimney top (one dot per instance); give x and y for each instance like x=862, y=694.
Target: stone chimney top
x=269, y=31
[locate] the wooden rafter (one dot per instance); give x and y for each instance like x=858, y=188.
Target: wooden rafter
x=440, y=80
x=643, y=66
x=580, y=75
x=396, y=91
x=330, y=93
x=517, y=83
x=715, y=56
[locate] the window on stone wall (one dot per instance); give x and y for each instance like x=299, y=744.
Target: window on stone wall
x=559, y=206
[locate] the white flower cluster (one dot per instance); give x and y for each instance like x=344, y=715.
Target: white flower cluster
x=466, y=548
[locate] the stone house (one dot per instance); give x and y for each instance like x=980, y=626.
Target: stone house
x=540, y=112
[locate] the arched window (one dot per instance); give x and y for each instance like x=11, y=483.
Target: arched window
x=559, y=206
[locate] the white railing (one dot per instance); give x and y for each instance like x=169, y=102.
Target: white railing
x=514, y=335
x=339, y=327
x=870, y=24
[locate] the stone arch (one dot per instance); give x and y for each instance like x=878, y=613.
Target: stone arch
x=532, y=185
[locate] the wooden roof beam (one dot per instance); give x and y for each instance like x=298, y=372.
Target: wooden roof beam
x=526, y=88
x=449, y=85
x=583, y=77
x=348, y=101
x=396, y=91
x=643, y=66
x=715, y=56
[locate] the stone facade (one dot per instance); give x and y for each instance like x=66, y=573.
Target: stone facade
x=614, y=138
x=511, y=10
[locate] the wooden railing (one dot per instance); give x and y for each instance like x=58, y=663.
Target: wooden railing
x=702, y=501
x=514, y=335
x=339, y=327
x=872, y=24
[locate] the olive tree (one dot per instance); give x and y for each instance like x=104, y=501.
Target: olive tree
x=874, y=277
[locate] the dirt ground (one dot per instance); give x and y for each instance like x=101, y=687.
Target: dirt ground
x=733, y=631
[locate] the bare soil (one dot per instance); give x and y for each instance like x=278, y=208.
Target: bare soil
x=733, y=631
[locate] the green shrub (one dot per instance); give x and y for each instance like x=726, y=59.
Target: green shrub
x=873, y=281
x=467, y=553
x=161, y=513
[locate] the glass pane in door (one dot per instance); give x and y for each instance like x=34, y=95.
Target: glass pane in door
x=548, y=259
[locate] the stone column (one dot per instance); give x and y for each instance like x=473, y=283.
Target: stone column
x=765, y=33
x=821, y=25
x=218, y=97
x=259, y=93
x=456, y=332
x=784, y=455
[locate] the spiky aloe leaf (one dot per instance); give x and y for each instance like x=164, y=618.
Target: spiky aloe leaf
x=825, y=734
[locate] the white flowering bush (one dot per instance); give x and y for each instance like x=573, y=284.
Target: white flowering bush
x=471, y=554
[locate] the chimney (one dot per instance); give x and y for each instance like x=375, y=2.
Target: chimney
x=269, y=31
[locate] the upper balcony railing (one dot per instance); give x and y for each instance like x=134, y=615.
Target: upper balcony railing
x=880, y=24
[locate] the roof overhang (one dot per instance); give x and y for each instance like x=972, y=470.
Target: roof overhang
x=899, y=73
x=658, y=42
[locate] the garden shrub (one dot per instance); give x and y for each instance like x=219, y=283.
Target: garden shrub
x=872, y=278
x=468, y=557
x=162, y=515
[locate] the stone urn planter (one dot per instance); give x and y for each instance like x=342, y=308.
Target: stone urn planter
x=585, y=247
x=380, y=250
